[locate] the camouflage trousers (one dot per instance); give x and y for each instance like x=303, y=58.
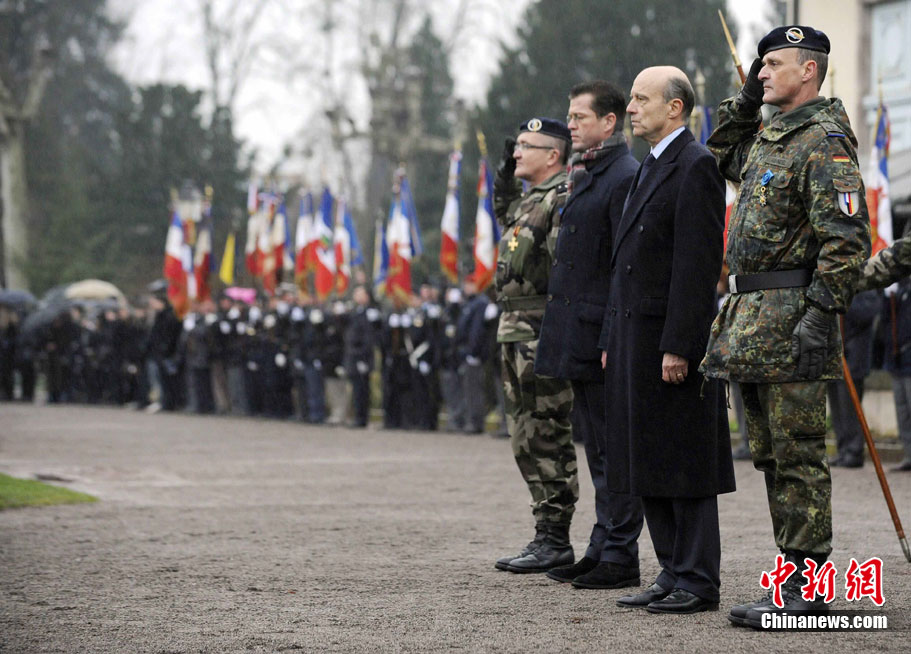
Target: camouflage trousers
x=786, y=424
x=537, y=417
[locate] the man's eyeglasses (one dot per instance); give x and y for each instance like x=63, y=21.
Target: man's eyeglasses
x=528, y=146
x=579, y=118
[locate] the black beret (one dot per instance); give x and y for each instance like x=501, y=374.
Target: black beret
x=549, y=126
x=794, y=36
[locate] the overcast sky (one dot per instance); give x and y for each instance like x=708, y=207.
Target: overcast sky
x=161, y=40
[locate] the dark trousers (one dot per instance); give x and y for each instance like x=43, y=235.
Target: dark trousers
x=314, y=393
x=687, y=543
x=200, y=386
x=473, y=396
x=360, y=397
x=614, y=537
x=848, y=434
x=451, y=385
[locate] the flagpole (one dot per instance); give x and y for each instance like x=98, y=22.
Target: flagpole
x=482, y=143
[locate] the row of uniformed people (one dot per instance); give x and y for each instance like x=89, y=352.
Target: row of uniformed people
x=284, y=358
x=281, y=358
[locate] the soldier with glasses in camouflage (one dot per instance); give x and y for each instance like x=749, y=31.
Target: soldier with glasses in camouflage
x=537, y=407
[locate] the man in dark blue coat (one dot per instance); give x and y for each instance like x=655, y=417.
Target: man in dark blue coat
x=667, y=436
x=601, y=170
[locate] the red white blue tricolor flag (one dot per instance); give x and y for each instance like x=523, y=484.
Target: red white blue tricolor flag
x=305, y=261
x=877, y=183
x=325, y=253
x=347, y=247
x=487, y=233
x=449, y=225
x=176, y=253
x=403, y=238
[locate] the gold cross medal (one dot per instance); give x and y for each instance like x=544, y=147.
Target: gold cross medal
x=514, y=242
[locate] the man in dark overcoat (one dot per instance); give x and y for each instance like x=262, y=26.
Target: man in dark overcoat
x=601, y=169
x=667, y=436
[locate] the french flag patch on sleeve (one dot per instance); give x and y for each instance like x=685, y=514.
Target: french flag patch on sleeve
x=849, y=202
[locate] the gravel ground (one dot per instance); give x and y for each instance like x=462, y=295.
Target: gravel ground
x=237, y=535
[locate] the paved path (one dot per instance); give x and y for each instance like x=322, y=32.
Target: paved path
x=232, y=535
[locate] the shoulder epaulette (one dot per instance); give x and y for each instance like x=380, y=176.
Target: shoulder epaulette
x=833, y=130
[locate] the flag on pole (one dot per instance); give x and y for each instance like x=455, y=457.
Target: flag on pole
x=325, y=253
x=487, y=233
x=288, y=253
x=449, y=225
x=202, y=261
x=380, y=259
x=878, y=204
x=278, y=233
x=174, y=270
x=266, y=249
x=347, y=247
x=251, y=247
x=303, y=263
x=403, y=239
x=226, y=270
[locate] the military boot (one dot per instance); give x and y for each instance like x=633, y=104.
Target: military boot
x=791, y=594
x=503, y=564
x=739, y=612
x=553, y=551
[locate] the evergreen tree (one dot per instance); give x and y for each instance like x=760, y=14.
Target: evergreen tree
x=428, y=165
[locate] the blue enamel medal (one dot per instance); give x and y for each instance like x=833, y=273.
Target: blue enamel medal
x=763, y=190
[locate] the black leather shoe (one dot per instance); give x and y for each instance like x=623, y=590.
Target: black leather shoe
x=739, y=612
x=503, y=563
x=554, y=551
x=904, y=466
x=681, y=601
x=793, y=602
x=567, y=573
x=608, y=575
x=651, y=594
x=542, y=559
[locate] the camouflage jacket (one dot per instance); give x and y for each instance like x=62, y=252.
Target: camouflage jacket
x=801, y=206
x=524, y=258
x=887, y=267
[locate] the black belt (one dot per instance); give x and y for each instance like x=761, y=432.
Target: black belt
x=775, y=279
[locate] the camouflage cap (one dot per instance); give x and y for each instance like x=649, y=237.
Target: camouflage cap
x=794, y=36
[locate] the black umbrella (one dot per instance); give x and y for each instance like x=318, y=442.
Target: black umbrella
x=16, y=299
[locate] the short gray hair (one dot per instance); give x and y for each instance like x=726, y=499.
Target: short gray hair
x=822, y=62
x=680, y=88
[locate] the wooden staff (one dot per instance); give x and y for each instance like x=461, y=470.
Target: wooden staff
x=874, y=455
x=727, y=35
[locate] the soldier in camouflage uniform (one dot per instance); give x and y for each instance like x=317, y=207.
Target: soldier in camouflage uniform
x=537, y=407
x=888, y=266
x=797, y=235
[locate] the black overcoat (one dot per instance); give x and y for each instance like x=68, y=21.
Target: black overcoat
x=578, y=283
x=666, y=440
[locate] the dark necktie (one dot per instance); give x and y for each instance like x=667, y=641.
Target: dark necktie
x=643, y=171
x=647, y=164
